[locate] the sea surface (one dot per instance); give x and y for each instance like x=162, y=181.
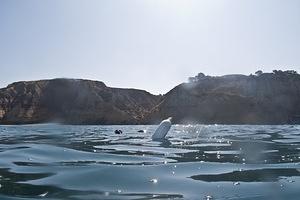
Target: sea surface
x=51, y=161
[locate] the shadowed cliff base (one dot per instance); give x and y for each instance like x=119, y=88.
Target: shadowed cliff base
x=263, y=98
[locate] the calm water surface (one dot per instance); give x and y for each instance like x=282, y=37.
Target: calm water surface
x=52, y=161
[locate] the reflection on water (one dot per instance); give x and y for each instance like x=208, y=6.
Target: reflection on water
x=52, y=161
x=257, y=175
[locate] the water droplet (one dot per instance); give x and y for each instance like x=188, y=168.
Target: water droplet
x=43, y=195
x=154, y=180
x=165, y=162
x=106, y=194
x=95, y=150
x=175, y=166
x=236, y=183
x=173, y=172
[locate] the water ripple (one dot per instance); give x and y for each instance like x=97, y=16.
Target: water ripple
x=52, y=161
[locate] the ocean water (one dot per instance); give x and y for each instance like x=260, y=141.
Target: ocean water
x=51, y=161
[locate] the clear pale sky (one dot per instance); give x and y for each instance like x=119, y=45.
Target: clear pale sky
x=146, y=44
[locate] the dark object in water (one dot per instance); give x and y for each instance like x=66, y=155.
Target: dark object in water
x=141, y=131
x=118, y=132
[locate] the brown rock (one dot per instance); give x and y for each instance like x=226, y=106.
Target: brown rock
x=233, y=99
x=74, y=102
x=266, y=98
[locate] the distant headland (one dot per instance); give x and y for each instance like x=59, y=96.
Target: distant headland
x=260, y=98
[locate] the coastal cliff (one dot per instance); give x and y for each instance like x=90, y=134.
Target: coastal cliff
x=264, y=98
x=73, y=101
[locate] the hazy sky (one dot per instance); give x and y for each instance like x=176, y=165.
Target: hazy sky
x=148, y=44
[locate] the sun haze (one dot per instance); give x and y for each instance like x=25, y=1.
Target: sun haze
x=150, y=44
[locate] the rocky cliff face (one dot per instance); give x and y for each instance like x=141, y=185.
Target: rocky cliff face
x=73, y=101
x=272, y=98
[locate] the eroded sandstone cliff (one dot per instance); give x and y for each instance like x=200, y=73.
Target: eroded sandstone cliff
x=73, y=101
x=268, y=98
x=264, y=98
